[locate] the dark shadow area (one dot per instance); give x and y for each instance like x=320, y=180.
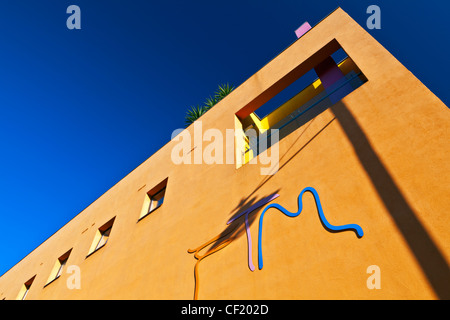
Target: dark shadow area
x=233, y=230
x=237, y=228
x=427, y=254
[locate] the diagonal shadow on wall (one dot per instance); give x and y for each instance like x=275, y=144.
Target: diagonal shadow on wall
x=237, y=228
x=427, y=254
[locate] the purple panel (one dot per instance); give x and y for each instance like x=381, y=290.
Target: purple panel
x=305, y=27
x=328, y=72
x=332, y=77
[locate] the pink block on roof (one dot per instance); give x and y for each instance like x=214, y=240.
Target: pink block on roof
x=302, y=30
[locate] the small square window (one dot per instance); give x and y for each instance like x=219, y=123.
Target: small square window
x=58, y=267
x=101, y=237
x=61, y=266
x=25, y=289
x=154, y=199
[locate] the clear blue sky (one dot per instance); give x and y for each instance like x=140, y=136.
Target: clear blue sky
x=80, y=109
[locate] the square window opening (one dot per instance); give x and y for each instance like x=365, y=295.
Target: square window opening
x=154, y=199
x=101, y=237
x=58, y=267
x=25, y=289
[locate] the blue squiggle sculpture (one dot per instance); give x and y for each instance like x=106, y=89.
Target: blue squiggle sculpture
x=356, y=228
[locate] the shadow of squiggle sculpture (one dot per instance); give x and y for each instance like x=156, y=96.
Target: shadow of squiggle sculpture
x=356, y=228
x=224, y=240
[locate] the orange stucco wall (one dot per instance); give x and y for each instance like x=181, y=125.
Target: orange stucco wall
x=377, y=159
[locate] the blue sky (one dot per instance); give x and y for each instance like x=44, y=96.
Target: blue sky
x=80, y=109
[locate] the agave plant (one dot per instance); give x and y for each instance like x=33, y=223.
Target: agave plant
x=223, y=91
x=210, y=102
x=196, y=112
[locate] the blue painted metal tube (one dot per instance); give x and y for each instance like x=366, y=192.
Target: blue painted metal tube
x=356, y=228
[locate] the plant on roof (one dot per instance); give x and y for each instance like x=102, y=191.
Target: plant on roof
x=195, y=112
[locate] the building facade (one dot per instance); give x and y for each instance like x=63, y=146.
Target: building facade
x=346, y=199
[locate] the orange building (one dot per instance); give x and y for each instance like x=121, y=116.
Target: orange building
x=353, y=206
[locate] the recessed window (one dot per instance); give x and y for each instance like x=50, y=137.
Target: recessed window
x=154, y=199
x=101, y=236
x=25, y=289
x=323, y=80
x=61, y=266
x=58, y=267
x=157, y=200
